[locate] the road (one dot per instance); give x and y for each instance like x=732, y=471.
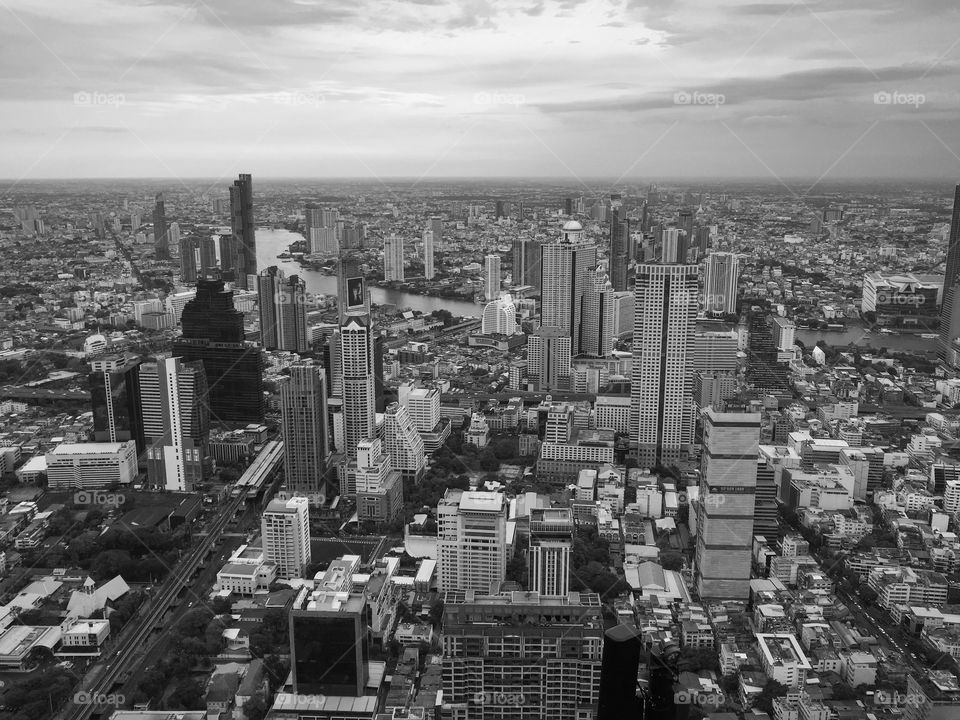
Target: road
x=100, y=679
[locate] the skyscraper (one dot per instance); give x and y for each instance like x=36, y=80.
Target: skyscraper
x=283, y=311
x=115, y=400
x=728, y=485
x=491, y=285
x=306, y=448
x=428, y=270
x=471, y=540
x=393, y=258
x=721, y=274
x=352, y=294
x=526, y=262
x=213, y=332
x=551, y=542
x=359, y=392
x=661, y=388
x=499, y=317
x=436, y=227
x=285, y=529
x=564, y=275
x=243, y=243
x=950, y=310
x=403, y=443
x=188, y=259
x=685, y=223
x=321, y=229
x=160, y=229
x=208, y=256
x=618, y=693
x=596, y=335
x=548, y=359
x=176, y=423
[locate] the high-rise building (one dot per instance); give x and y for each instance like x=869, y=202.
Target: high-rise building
x=359, y=393
x=950, y=310
x=176, y=422
x=618, y=693
x=283, y=311
x=428, y=270
x=285, y=529
x=353, y=297
x=403, y=443
x=526, y=262
x=491, y=264
x=673, y=248
x=393, y=258
x=548, y=359
x=436, y=227
x=661, y=388
x=731, y=442
x=564, y=278
x=619, y=245
x=161, y=247
x=499, y=316
x=243, y=242
x=721, y=274
x=207, y=256
x=306, y=445
x=188, y=259
x=471, y=540
x=551, y=543
x=519, y=655
x=685, y=222
x=423, y=404
x=377, y=485
x=321, y=229
x=213, y=332
x=596, y=337
x=115, y=400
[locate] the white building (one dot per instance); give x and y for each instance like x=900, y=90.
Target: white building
x=491, y=285
x=783, y=659
x=428, y=269
x=91, y=465
x=471, y=540
x=403, y=443
x=393, y=258
x=499, y=317
x=285, y=527
x=721, y=274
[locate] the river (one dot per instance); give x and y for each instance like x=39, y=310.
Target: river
x=270, y=243
x=855, y=335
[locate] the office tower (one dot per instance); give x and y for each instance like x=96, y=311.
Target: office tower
x=393, y=258
x=766, y=519
x=526, y=262
x=564, y=278
x=213, y=332
x=377, y=485
x=306, y=448
x=283, y=311
x=517, y=655
x=619, y=257
x=498, y=210
x=403, y=443
x=622, y=313
x=115, y=400
x=673, y=247
x=728, y=485
x=243, y=244
x=661, y=388
x=188, y=259
x=716, y=347
x=322, y=229
x=685, y=224
x=619, y=690
x=950, y=310
x=721, y=274
x=208, y=256
x=597, y=328
x=285, y=529
x=702, y=241
x=499, y=317
x=353, y=297
x=471, y=540
x=356, y=363
x=379, y=401
x=551, y=542
x=491, y=285
x=173, y=234
x=423, y=404
x=764, y=371
x=548, y=359
x=161, y=249
x=436, y=227
x=176, y=422
x=428, y=269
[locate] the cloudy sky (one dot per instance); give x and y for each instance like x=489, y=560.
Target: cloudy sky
x=433, y=88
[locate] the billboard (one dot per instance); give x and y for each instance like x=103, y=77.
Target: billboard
x=355, y=293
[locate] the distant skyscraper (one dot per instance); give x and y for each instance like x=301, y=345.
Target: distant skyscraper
x=548, y=359
x=596, y=336
x=564, y=267
x=685, y=223
x=359, y=391
x=551, y=543
x=471, y=540
x=428, y=271
x=213, y=332
x=499, y=317
x=661, y=389
x=285, y=530
x=721, y=274
x=727, y=499
x=321, y=229
x=619, y=245
x=950, y=310
x=403, y=443
x=243, y=241
x=491, y=285
x=208, y=256
x=160, y=229
x=188, y=259
x=115, y=400
x=352, y=294
x=283, y=311
x=306, y=449
x=173, y=402
x=393, y=258
x=673, y=247
x=436, y=227
x=526, y=262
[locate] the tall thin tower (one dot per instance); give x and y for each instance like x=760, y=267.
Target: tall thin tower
x=428, y=271
x=243, y=240
x=393, y=258
x=306, y=447
x=161, y=230
x=491, y=277
x=564, y=272
x=950, y=310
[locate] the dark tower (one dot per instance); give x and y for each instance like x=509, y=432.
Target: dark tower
x=243, y=239
x=949, y=314
x=161, y=231
x=618, y=694
x=115, y=401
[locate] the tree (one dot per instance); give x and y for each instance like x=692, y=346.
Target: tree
x=764, y=700
x=671, y=560
x=223, y=605
x=842, y=691
x=868, y=595
x=187, y=695
x=255, y=708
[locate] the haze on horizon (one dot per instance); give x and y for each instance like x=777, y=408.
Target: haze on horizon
x=433, y=89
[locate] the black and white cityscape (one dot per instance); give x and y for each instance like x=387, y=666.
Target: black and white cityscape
x=425, y=360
